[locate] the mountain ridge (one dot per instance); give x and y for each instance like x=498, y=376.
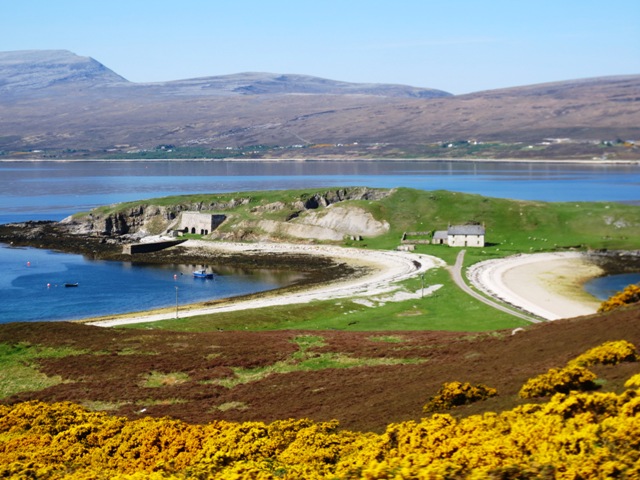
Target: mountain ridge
x=37, y=69
x=57, y=104
x=33, y=69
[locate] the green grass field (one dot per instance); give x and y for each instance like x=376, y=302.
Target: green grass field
x=19, y=367
x=447, y=309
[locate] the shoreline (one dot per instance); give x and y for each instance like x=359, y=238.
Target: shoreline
x=340, y=159
x=548, y=285
x=384, y=269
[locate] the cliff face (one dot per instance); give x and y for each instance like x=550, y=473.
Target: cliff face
x=305, y=217
x=140, y=220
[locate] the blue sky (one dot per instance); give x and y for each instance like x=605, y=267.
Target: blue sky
x=459, y=46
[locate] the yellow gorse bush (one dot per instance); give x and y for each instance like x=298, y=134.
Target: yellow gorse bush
x=631, y=294
x=573, y=435
x=609, y=353
x=575, y=376
x=454, y=394
x=558, y=380
x=633, y=382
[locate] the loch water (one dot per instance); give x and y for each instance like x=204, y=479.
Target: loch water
x=53, y=190
x=609, y=285
x=32, y=283
x=32, y=286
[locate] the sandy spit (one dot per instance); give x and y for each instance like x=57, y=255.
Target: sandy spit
x=548, y=285
x=386, y=269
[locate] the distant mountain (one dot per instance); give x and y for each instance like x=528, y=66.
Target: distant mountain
x=28, y=70
x=60, y=104
x=252, y=83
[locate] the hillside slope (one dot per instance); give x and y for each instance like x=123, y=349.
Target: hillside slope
x=200, y=377
x=72, y=106
x=29, y=71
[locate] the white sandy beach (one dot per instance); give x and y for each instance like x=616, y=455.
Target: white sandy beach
x=545, y=284
x=387, y=268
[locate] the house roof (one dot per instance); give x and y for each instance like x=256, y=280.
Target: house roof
x=466, y=230
x=440, y=235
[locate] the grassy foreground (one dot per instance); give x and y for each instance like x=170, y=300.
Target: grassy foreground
x=573, y=434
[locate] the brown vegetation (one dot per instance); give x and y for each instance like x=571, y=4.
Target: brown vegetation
x=197, y=374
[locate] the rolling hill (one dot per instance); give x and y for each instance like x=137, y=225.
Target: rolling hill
x=57, y=104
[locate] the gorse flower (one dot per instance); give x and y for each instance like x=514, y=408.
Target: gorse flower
x=573, y=435
x=454, y=394
x=631, y=294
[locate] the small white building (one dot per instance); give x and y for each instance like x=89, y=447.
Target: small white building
x=466, y=236
x=440, y=237
x=200, y=223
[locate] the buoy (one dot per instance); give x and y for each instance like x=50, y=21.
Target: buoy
x=175, y=277
x=48, y=285
x=28, y=264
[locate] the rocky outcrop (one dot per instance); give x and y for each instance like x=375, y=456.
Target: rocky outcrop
x=335, y=196
x=335, y=224
x=140, y=220
x=307, y=217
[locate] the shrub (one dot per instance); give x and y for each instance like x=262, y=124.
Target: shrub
x=609, y=353
x=577, y=435
x=633, y=382
x=630, y=294
x=453, y=394
x=559, y=380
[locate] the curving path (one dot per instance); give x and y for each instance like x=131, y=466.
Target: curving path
x=456, y=273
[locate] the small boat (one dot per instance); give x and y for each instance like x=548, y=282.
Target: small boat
x=70, y=285
x=202, y=274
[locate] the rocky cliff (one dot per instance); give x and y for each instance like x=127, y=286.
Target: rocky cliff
x=312, y=216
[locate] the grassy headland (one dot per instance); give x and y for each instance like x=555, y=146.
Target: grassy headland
x=512, y=227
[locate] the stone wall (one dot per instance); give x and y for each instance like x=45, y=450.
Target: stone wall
x=133, y=248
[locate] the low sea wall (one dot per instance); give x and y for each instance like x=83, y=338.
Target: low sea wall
x=134, y=248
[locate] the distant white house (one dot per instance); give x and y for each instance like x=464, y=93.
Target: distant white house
x=466, y=236
x=460, y=236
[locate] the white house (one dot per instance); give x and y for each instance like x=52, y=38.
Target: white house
x=465, y=236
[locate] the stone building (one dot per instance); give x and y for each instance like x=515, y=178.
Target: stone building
x=466, y=236
x=460, y=236
x=200, y=223
x=440, y=237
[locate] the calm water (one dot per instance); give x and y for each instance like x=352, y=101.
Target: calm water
x=32, y=285
x=54, y=190
x=604, y=287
